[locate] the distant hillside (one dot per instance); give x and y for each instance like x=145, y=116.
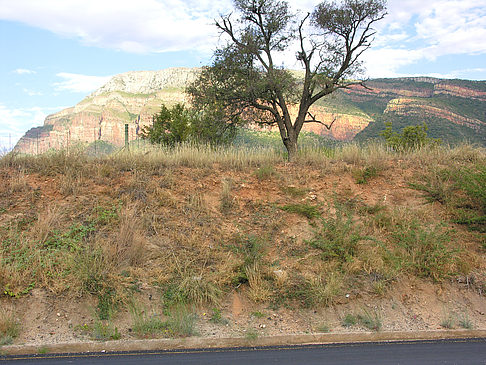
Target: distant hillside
x=453, y=109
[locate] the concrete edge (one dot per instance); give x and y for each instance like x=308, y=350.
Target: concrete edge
x=209, y=343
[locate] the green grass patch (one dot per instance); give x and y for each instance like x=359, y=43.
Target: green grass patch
x=306, y=210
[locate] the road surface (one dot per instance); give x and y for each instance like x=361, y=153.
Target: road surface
x=461, y=352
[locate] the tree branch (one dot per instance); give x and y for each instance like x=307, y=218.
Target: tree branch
x=314, y=120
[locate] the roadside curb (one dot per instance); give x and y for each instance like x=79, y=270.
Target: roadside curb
x=208, y=343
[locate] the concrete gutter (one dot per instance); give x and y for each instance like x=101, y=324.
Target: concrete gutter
x=208, y=343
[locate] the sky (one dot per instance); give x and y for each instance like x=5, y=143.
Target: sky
x=53, y=53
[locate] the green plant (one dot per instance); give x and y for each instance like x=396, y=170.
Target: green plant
x=258, y=314
x=362, y=176
x=436, y=185
x=146, y=324
x=338, y=236
x=251, y=334
x=470, y=208
x=370, y=320
x=226, y=198
x=107, y=304
x=448, y=321
x=104, y=331
x=293, y=191
x=251, y=249
x=169, y=126
x=217, y=317
x=323, y=291
x=323, y=328
x=411, y=138
x=307, y=210
x=181, y=322
x=465, y=322
x=349, y=320
x=43, y=350
x=9, y=326
x=265, y=172
x=424, y=249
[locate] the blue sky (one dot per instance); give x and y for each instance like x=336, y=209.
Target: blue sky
x=55, y=52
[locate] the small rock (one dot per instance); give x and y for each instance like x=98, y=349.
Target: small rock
x=58, y=314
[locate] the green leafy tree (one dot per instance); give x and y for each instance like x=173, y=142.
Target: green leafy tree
x=245, y=80
x=411, y=137
x=180, y=124
x=169, y=126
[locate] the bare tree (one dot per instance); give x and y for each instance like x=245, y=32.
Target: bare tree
x=245, y=81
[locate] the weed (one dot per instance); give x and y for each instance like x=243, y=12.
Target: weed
x=379, y=287
x=259, y=287
x=258, y=314
x=465, y=322
x=107, y=304
x=217, y=317
x=307, y=210
x=144, y=324
x=362, y=176
x=425, y=250
x=448, y=321
x=338, y=237
x=9, y=326
x=43, y=350
x=293, y=191
x=226, y=199
x=181, y=322
x=436, y=185
x=197, y=289
x=370, y=320
x=251, y=334
x=323, y=292
x=323, y=328
x=349, y=320
x=104, y=331
x=265, y=172
x=251, y=249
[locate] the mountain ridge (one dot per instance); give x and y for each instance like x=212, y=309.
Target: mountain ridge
x=454, y=108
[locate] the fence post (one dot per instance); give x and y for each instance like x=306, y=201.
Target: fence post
x=126, y=136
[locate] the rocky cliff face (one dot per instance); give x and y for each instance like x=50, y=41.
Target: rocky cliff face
x=131, y=98
x=134, y=97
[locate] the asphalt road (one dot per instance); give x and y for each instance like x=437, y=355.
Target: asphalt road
x=461, y=352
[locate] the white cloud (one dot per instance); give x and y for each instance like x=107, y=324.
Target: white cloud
x=32, y=92
x=131, y=26
x=22, y=71
x=80, y=83
x=416, y=31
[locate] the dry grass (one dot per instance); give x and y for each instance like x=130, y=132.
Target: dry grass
x=9, y=326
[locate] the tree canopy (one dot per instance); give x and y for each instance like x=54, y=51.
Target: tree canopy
x=246, y=81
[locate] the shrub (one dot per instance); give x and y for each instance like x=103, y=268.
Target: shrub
x=338, y=236
x=411, y=138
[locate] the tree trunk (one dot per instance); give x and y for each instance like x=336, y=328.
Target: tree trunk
x=291, y=146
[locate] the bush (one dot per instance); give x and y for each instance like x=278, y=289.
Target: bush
x=411, y=138
x=181, y=124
